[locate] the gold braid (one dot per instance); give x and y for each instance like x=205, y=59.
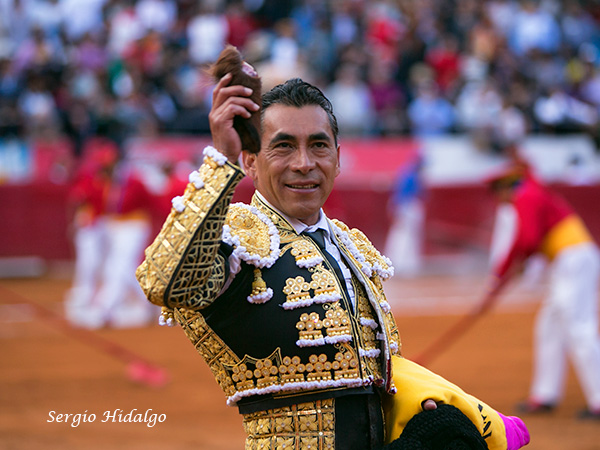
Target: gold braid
x=182, y=268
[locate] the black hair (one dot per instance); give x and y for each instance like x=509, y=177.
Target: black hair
x=298, y=93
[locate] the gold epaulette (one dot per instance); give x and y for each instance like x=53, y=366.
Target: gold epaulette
x=373, y=262
x=255, y=240
x=186, y=247
x=252, y=234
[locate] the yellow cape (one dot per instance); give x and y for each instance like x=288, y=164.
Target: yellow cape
x=415, y=384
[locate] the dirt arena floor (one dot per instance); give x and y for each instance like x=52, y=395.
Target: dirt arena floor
x=45, y=371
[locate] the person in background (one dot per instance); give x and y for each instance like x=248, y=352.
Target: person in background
x=120, y=301
x=567, y=323
x=86, y=207
x=405, y=238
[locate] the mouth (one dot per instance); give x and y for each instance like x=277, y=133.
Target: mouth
x=302, y=186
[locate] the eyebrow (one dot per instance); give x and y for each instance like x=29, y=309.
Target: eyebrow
x=282, y=137
x=320, y=136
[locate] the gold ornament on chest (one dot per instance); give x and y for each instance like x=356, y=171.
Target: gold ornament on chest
x=323, y=285
x=306, y=253
x=335, y=325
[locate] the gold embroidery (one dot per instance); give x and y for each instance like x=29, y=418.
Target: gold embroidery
x=306, y=426
x=337, y=322
x=318, y=368
x=305, y=252
x=258, y=285
x=353, y=364
x=251, y=373
x=323, y=284
x=289, y=370
x=181, y=265
x=296, y=289
x=213, y=350
x=266, y=373
x=345, y=365
x=252, y=232
x=381, y=264
x=309, y=327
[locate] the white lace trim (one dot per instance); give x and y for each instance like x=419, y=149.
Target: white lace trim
x=310, y=342
x=373, y=353
x=347, y=241
x=306, y=263
x=196, y=179
x=338, y=339
x=299, y=386
x=366, y=267
x=385, y=306
x=216, y=155
x=321, y=298
x=384, y=273
x=322, y=341
x=239, y=250
x=263, y=297
x=369, y=323
x=178, y=203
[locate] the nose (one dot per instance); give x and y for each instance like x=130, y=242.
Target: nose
x=302, y=161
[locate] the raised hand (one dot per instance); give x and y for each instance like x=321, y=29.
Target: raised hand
x=228, y=102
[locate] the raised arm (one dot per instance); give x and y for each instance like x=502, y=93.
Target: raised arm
x=183, y=267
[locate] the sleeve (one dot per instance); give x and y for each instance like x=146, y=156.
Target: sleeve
x=528, y=235
x=183, y=267
x=415, y=384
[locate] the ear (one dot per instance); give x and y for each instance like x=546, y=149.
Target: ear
x=337, y=168
x=249, y=163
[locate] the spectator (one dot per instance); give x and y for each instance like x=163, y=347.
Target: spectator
x=36, y=54
x=351, y=98
x=124, y=27
x=430, y=113
x=46, y=15
x=477, y=108
x=207, y=32
x=240, y=23
x=83, y=16
x=558, y=111
x=444, y=59
x=577, y=25
x=160, y=48
x=15, y=24
x=534, y=29
x=157, y=15
x=38, y=107
x=388, y=99
x=510, y=127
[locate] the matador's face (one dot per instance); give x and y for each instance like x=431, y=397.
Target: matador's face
x=298, y=160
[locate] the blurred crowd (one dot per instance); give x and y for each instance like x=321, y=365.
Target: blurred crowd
x=497, y=69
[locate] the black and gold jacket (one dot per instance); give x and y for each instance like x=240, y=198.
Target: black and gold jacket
x=283, y=326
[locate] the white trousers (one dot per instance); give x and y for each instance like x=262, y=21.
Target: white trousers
x=405, y=239
x=121, y=299
x=90, y=245
x=567, y=327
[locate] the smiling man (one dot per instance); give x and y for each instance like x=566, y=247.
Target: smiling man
x=285, y=305
x=299, y=162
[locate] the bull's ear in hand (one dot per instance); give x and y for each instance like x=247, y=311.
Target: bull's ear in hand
x=231, y=61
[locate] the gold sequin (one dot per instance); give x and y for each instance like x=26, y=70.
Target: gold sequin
x=305, y=426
